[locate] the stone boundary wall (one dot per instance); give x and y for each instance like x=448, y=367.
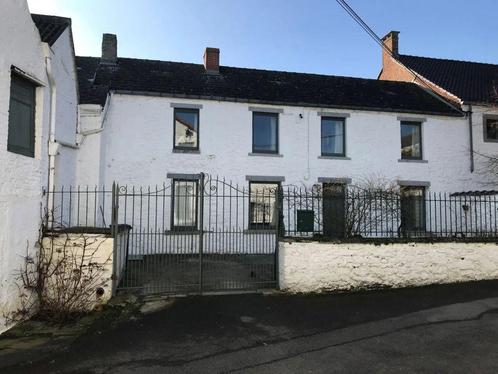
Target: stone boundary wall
x=318, y=267
x=100, y=245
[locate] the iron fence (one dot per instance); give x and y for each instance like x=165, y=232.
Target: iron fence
x=220, y=209
x=192, y=234
x=197, y=233
x=365, y=215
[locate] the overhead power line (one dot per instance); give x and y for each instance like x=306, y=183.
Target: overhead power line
x=356, y=17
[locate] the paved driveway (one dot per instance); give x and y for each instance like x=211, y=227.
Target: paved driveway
x=431, y=329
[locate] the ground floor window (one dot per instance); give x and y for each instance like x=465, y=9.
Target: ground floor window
x=262, y=204
x=184, y=212
x=413, y=208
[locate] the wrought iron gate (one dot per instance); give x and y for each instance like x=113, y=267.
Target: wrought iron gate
x=197, y=234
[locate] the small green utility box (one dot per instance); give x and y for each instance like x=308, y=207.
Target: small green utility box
x=305, y=220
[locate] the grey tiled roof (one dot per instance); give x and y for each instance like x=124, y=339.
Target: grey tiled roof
x=251, y=85
x=50, y=27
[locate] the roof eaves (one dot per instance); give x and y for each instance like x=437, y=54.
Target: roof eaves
x=450, y=113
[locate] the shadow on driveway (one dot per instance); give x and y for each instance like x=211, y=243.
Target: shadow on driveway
x=195, y=328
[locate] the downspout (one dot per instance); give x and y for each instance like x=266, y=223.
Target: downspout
x=107, y=105
x=471, y=139
x=52, y=145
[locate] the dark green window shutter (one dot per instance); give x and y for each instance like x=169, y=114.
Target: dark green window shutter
x=21, y=137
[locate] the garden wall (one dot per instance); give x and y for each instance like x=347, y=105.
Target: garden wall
x=317, y=267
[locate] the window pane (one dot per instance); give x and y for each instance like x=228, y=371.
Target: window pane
x=20, y=125
x=262, y=209
x=413, y=208
x=21, y=117
x=185, y=207
x=265, y=132
x=411, y=146
x=186, y=128
x=492, y=128
x=332, y=136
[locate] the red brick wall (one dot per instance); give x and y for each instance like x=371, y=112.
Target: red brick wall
x=392, y=70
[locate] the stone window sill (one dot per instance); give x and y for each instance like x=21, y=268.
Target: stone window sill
x=334, y=157
x=182, y=232
x=266, y=154
x=260, y=231
x=413, y=160
x=193, y=151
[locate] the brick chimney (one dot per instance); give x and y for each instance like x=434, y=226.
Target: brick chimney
x=109, y=48
x=391, y=42
x=212, y=60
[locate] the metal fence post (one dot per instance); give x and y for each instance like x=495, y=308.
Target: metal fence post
x=279, y=230
x=201, y=227
x=114, y=234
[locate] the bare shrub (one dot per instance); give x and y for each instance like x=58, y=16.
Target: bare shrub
x=372, y=204
x=61, y=281
x=348, y=211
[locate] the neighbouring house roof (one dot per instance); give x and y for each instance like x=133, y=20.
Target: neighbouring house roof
x=473, y=82
x=251, y=85
x=50, y=27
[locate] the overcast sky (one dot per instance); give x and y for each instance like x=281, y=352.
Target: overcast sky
x=315, y=36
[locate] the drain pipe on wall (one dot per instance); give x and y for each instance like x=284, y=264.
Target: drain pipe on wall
x=53, y=147
x=471, y=139
x=105, y=110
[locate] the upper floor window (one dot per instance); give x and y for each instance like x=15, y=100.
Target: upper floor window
x=21, y=133
x=333, y=136
x=264, y=132
x=411, y=140
x=491, y=129
x=186, y=131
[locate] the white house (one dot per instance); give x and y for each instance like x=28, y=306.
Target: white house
x=70, y=121
x=243, y=123
x=38, y=106
x=153, y=123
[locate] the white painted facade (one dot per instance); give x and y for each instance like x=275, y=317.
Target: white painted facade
x=483, y=149
x=23, y=179
x=136, y=146
x=66, y=113
x=130, y=141
x=318, y=267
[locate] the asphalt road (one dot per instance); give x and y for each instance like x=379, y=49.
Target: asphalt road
x=437, y=329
